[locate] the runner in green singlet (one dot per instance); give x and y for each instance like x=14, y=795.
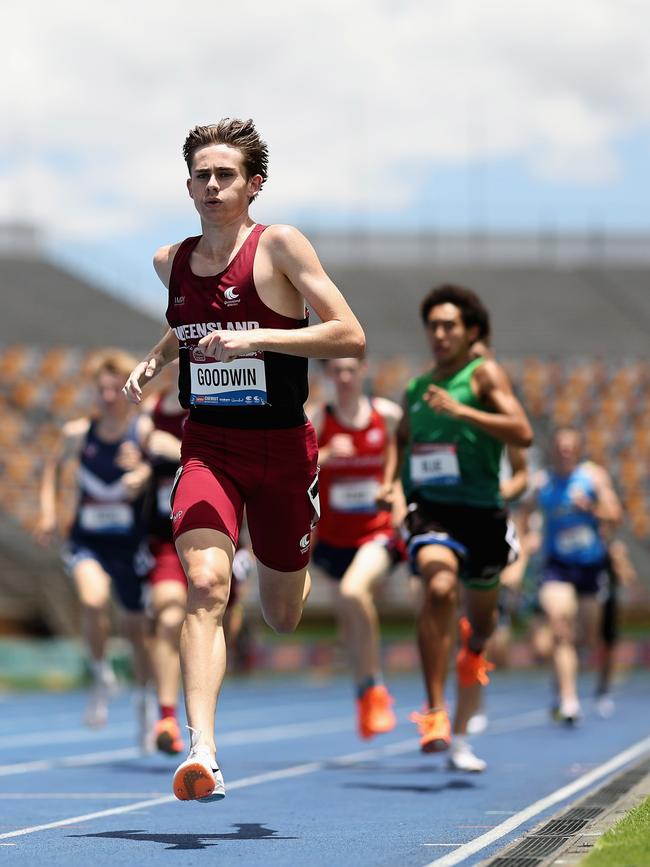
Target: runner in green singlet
x=457, y=419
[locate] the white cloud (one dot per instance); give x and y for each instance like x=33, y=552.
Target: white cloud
x=357, y=100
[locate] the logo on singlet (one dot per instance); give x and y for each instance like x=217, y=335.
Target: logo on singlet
x=304, y=542
x=177, y=515
x=198, y=354
x=179, y=299
x=231, y=296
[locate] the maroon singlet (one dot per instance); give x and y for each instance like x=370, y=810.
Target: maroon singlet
x=229, y=395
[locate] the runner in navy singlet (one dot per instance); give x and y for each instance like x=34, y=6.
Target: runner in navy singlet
x=238, y=323
x=104, y=546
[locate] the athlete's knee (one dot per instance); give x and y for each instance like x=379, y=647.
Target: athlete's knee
x=353, y=595
x=169, y=620
x=440, y=586
x=207, y=589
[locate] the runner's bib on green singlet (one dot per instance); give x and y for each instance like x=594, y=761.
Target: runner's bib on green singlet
x=448, y=460
x=434, y=464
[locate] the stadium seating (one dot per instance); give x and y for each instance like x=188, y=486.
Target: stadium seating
x=610, y=402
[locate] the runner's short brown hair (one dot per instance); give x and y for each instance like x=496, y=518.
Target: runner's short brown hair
x=236, y=133
x=115, y=361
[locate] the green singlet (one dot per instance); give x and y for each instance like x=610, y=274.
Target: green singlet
x=446, y=460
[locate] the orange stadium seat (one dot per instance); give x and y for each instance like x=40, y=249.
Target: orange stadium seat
x=13, y=361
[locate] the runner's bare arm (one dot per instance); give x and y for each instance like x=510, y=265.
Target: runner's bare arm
x=395, y=455
x=72, y=436
x=516, y=485
x=338, y=335
x=608, y=507
x=507, y=423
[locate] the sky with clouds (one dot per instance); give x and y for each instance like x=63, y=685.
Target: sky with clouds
x=388, y=114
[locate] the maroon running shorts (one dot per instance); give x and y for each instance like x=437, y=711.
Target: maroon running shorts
x=273, y=473
x=167, y=566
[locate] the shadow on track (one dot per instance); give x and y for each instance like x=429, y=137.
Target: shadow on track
x=178, y=842
x=418, y=790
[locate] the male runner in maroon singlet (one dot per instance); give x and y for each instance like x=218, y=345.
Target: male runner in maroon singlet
x=238, y=323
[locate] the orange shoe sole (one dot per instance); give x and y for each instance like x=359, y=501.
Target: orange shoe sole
x=192, y=782
x=435, y=745
x=165, y=743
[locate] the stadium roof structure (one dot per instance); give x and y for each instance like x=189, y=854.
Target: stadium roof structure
x=44, y=304
x=550, y=296
x=547, y=312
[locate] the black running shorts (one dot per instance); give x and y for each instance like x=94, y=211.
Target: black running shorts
x=484, y=540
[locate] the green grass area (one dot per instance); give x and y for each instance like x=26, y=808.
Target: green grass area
x=627, y=844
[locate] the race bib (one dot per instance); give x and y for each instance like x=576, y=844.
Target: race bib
x=163, y=497
x=106, y=517
x=575, y=539
x=434, y=464
x=241, y=382
x=354, y=495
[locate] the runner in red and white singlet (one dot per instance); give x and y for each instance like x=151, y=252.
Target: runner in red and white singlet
x=236, y=311
x=357, y=545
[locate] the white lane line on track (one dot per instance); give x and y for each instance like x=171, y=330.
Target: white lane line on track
x=295, y=771
x=71, y=736
x=245, y=782
x=78, y=796
x=116, y=732
x=474, y=846
x=121, y=712
x=246, y=736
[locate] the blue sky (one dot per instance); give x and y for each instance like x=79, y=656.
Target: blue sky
x=453, y=114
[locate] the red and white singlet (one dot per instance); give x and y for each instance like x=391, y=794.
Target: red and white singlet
x=349, y=486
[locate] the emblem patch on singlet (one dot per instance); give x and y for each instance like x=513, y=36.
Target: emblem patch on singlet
x=231, y=296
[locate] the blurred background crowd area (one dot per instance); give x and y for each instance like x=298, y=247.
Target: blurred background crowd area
x=571, y=329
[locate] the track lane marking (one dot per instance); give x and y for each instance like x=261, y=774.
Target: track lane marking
x=474, y=846
x=526, y=720
x=240, y=738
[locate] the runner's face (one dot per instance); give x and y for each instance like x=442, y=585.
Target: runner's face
x=109, y=394
x=448, y=337
x=218, y=184
x=567, y=449
x=347, y=374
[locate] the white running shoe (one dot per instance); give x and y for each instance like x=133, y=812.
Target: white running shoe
x=570, y=712
x=477, y=724
x=199, y=778
x=103, y=687
x=462, y=758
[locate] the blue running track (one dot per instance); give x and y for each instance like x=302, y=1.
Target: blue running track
x=302, y=789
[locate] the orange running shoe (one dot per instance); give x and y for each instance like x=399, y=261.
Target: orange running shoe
x=198, y=778
x=167, y=734
x=374, y=713
x=434, y=729
x=471, y=668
